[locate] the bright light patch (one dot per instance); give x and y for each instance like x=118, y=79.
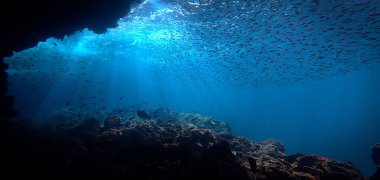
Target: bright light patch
x=243, y=42
x=164, y=36
x=81, y=49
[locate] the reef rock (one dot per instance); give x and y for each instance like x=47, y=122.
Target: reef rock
x=143, y=114
x=164, y=115
x=376, y=176
x=267, y=160
x=375, y=156
x=112, y=122
x=324, y=168
x=169, y=145
x=90, y=126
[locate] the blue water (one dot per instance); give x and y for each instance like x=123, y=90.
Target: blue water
x=304, y=72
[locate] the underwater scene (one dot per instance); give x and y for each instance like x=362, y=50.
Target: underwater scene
x=189, y=89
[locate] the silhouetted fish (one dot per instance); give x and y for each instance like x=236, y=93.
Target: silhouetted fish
x=143, y=114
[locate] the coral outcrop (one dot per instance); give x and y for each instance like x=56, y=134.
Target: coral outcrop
x=126, y=144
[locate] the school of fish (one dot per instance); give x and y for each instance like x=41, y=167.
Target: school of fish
x=241, y=43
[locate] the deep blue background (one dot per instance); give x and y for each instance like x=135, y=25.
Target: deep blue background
x=338, y=116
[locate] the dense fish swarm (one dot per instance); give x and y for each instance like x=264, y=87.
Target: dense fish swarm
x=245, y=43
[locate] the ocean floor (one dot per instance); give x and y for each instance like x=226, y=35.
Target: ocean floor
x=152, y=143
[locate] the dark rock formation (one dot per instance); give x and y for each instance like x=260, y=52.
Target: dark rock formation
x=270, y=162
x=112, y=122
x=142, y=114
x=89, y=126
x=375, y=156
x=132, y=148
x=376, y=176
x=24, y=23
x=252, y=164
x=163, y=115
x=6, y=102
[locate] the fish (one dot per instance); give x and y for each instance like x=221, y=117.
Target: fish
x=143, y=114
x=241, y=44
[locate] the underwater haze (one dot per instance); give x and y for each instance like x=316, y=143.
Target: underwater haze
x=306, y=72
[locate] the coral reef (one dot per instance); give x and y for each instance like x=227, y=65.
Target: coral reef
x=167, y=145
